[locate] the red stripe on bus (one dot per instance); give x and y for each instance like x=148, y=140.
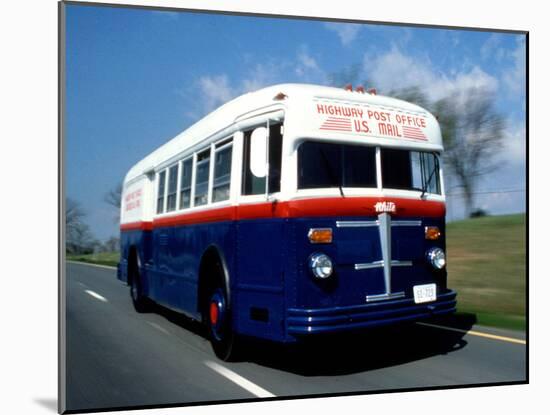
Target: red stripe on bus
x=334, y=123
x=315, y=207
x=337, y=122
x=192, y=218
x=143, y=226
x=363, y=206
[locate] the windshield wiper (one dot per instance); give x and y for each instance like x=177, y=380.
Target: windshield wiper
x=332, y=173
x=436, y=168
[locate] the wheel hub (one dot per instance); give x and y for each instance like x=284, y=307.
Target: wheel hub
x=216, y=314
x=213, y=313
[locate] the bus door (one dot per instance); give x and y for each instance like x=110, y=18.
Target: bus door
x=260, y=241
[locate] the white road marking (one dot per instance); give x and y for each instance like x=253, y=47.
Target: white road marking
x=239, y=380
x=91, y=265
x=476, y=333
x=155, y=325
x=96, y=295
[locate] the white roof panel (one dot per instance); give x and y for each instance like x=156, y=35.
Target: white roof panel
x=323, y=102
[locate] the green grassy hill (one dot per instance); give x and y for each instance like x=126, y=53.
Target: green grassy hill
x=486, y=265
x=102, y=258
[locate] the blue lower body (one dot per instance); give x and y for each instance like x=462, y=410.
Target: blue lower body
x=273, y=294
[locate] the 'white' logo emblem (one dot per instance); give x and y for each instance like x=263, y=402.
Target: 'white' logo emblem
x=384, y=207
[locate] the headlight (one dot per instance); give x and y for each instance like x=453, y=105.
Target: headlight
x=436, y=257
x=320, y=265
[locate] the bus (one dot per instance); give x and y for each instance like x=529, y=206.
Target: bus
x=289, y=212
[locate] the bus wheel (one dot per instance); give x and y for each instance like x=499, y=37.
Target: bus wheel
x=222, y=337
x=141, y=303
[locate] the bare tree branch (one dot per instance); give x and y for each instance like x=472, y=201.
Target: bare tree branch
x=112, y=197
x=412, y=94
x=78, y=237
x=472, y=133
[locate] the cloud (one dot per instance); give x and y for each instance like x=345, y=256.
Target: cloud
x=396, y=70
x=347, y=32
x=307, y=68
x=491, y=48
x=514, y=150
x=214, y=91
x=514, y=77
x=305, y=63
x=260, y=76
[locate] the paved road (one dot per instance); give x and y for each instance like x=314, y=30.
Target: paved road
x=118, y=358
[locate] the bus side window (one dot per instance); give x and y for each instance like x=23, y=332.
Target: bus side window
x=222, y=171
x=160, y=195
x=185, y=187
x=201, y=178
x=253, y=185
x=172, y=188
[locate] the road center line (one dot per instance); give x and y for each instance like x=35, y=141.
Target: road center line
x=476, y=333
x=239, y=380
x=96, y=295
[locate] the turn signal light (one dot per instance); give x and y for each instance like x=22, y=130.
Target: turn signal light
x=432, y=232
x=320, y=235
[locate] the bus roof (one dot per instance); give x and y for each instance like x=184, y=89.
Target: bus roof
x=228, y=113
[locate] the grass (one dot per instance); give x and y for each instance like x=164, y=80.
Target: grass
x=486, y=265
x=103, y=258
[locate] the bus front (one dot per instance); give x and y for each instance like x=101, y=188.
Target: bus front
x=366, y=199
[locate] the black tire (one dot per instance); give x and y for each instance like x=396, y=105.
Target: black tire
x=225, y=342
x=140, y=302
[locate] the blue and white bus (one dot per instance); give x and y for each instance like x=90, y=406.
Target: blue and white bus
x=288, y=212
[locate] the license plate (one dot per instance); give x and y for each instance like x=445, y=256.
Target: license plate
x=424, y=293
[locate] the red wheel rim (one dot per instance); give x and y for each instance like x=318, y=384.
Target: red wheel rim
x=213, y=313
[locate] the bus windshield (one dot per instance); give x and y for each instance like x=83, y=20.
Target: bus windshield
x=322, y=165
x=330, y=165
x=410, y=170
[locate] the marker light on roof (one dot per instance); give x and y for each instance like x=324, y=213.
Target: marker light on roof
x=360, y=89
x=280, y=96
x=348, y=87
x=372, y=91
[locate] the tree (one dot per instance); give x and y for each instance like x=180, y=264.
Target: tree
x=345, y=76
x=112, y=244
x=78, y=237
x=113, y=198
x=412, y=94
x=472, y=132
x=74, y=214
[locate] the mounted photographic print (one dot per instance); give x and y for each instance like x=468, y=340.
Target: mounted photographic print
x=270, y=207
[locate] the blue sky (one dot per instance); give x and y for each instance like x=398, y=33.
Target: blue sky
x=136, y=78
